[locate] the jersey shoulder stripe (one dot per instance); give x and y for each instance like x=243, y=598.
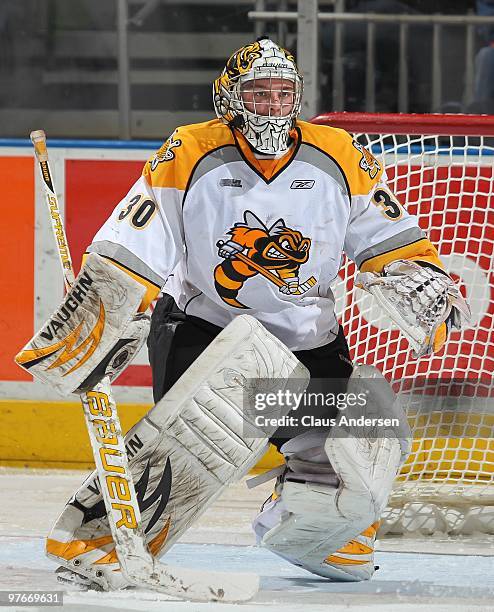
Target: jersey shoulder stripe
x=173, y=164
x=361, y=169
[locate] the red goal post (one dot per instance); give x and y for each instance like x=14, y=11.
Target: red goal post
x=441, y=168
x=410, y=123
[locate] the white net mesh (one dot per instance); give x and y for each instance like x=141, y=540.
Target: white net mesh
x=448, y=182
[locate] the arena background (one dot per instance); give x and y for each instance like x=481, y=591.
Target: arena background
x=62, y=71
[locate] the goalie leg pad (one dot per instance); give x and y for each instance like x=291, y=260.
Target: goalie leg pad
x=335, y=487
x=352, y=562
x=192, y=444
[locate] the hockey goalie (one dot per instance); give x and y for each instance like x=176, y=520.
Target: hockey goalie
x=241, y=222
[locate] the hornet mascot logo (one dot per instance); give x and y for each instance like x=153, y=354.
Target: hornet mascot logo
x=276, y=253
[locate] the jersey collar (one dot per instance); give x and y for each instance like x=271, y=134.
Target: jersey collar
x=267, y=169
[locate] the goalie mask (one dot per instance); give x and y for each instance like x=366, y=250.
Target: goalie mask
x=259, y=93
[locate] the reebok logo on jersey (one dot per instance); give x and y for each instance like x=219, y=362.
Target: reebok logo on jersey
x=230, y=182
x=302, y=184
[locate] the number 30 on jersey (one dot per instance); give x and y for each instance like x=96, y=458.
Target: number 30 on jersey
x=139, y=212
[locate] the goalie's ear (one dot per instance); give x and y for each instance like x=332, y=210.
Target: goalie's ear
x=95, y=321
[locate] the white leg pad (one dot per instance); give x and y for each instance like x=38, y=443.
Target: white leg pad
x=185, y=452
x=318, y=518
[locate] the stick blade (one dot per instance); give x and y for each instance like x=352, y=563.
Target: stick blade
x=196, y=585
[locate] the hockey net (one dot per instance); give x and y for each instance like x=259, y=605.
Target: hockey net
x=441, y=169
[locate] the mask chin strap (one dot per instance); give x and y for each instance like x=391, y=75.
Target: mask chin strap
x=265, y=136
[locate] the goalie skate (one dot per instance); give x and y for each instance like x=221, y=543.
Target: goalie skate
x=75, y=581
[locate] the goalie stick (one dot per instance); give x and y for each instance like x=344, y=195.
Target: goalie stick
x=139, y=567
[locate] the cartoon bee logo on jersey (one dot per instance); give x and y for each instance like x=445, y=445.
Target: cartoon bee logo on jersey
x=276, y=253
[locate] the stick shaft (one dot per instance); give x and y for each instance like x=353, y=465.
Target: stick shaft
x=38, y=138
x=310, y=282
x=98, y=402
x=266, y=273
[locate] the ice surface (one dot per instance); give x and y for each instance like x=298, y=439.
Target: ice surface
x=30, y=501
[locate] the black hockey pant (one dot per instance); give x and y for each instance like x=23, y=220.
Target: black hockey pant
x=176, y=340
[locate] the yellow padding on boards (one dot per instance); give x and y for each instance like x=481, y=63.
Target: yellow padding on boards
x=53, y=434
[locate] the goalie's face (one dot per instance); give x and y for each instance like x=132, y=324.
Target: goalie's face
x=259, y=94
x=269, y=97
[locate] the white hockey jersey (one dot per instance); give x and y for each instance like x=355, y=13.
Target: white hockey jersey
x=292, y=218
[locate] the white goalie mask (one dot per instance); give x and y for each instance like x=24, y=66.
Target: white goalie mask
x=259, y=93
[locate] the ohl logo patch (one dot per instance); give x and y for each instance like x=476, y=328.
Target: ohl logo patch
x=276, y=253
